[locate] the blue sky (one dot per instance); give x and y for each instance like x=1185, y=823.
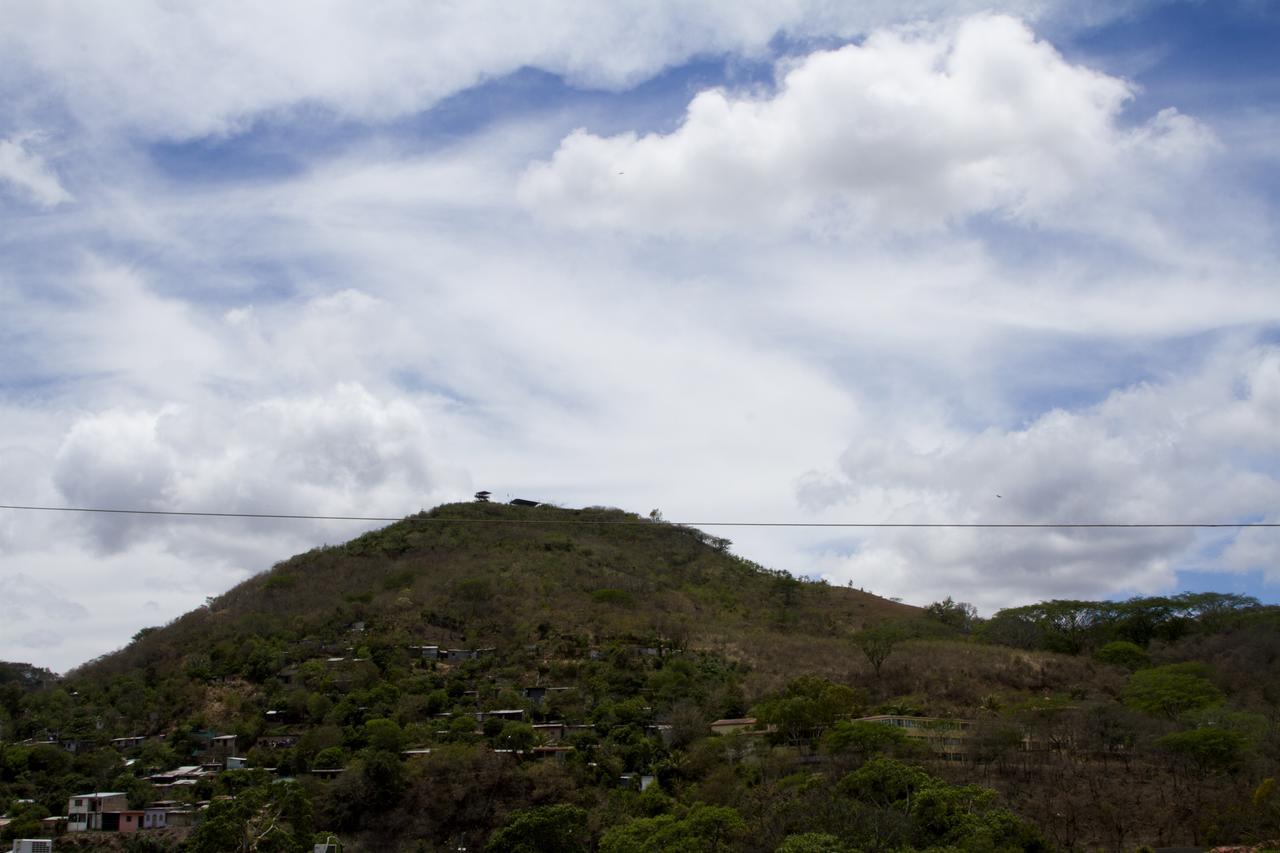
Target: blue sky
x=748, y=261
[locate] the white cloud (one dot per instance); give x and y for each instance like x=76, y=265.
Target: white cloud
x=343, y=452
x=1197, y=448
x=27, y=172
x=906, y=131
x=187, y=70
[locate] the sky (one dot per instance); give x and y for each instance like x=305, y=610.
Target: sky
x=761, y=260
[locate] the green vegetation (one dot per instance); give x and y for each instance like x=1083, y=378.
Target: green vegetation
x=588, y=663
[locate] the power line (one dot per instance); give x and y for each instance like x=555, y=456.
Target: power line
x=984, y=525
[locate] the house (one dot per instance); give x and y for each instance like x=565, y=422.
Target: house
x=236, y=762
x=512, y=714
x=328, y=772
x=636, y=780
x=123, y=821
x=155, y=816
x=557, y=752
x=180, y=778
x=86, y=811
x=222, y=745
x=77, y=745
x=737, y=724
x=131, y=742
x=425, y=652
x=663, y=731
x=54, y=824
x=549, y=732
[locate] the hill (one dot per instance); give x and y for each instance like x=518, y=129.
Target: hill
x=497, y=575
x=480, y=674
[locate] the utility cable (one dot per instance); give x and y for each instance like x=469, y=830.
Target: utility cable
x=962, y=525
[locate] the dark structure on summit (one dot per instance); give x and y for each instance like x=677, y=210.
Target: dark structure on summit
x=523, y=502
x=483, y=497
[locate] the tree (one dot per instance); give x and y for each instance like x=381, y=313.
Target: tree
x=384, y=734
x=862, y=739
x=1171, y=690
x=807, y=707
x=957, y=614
x=1123, y=653
x=878, y=642
x=549, y=829
x=704, y=829
x=812, y=842
x=925, y=812
x=24, y=820
x=272, y=818
x=517, y=736
x=1208, y=749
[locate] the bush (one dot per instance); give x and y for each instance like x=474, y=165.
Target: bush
x=1123, y=653
x=1171, y=690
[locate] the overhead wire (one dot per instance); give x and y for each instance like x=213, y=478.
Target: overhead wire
x=987, y=525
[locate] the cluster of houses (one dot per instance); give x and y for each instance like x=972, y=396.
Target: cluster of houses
x=109, y=811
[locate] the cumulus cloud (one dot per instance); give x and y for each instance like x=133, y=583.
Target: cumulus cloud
x=26, y=172
x=906, y=130
x=213, y=68
x=341, y=452
x=1193, y=449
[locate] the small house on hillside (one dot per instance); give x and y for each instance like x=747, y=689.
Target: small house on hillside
x=222, y=746
x=128, y=742
x=87, y=812
x=730, y=726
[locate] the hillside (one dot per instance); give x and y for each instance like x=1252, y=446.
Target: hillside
x=480, y=674
x=497, y=575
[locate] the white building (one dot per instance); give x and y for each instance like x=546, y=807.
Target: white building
x=84, y=811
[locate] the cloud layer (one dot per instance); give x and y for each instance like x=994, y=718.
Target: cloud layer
x=182, y=72
x=1193, y=449
x=939, y=258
